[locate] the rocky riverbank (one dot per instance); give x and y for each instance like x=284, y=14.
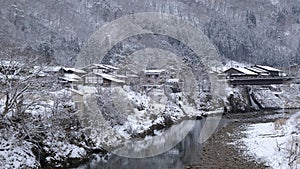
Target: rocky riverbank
x=67, y=143
x=225, y=150
x=218, y=154
x=270, y=97
x=248, y=100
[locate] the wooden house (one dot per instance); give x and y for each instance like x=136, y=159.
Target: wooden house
x=236, y=72
x=257, y=75
x=111, y=80
x=75, y=71
x=272, y=71
x=100, y=68
x=260, y=72
x=154, y=78
x=46, y=71
x=51, y=70
x=110, y=68
x=174, y=84
x=92, y=79
x=70, y=80
x=103, y=79
x=132, y=79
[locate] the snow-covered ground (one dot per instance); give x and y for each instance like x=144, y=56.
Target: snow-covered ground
x=16, y=154
x=42, y=127
x=141, y=111
x=154, y=106
x=133, y=114
x=275, y=143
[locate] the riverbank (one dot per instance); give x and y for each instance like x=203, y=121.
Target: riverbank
x=67, y=143
x=225, y=148
x=241, y=99
x=217, y=153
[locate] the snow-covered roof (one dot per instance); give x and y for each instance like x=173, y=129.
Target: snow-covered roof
x=110, y=77
x=268, y=68
x=71, y=77
x=110, y=67
x=44, y=71
x=74, y=70
x=69, y=80
x=131, y=75
x=120, y=76
x=154, y=71
x=173, y=80
x=257, y=70
x=51, y=68
x=243, y=70
x=90, y=73
x=101, y=66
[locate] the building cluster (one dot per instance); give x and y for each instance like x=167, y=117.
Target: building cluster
x=256, y=75
x=257, y=71
x=96, y=75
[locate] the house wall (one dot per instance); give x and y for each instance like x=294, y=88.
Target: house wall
x=274, y=73
x=106, y=82
x=97, y=70
x=232, y=73
x=78, y=100
x=93, y=79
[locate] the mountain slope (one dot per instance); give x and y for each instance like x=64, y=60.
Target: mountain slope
x=265, y=32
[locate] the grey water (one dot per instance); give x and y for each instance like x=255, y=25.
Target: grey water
x=187, y=151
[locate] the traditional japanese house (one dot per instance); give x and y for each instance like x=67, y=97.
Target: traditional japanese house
x=272, y=71
x=236, y=72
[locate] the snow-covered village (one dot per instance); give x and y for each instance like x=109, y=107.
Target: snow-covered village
x=107, y=84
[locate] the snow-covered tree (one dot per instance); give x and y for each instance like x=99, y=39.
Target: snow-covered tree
x=36, y=121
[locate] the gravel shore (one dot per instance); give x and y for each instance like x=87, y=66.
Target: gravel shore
x=220, y=152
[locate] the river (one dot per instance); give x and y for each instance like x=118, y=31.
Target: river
x=187, y=151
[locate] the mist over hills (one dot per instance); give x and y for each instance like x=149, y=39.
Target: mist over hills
x=255, y=31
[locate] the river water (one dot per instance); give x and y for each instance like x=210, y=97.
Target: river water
x=186, y=152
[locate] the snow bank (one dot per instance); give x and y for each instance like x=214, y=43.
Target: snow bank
x=47, y=129
x=17, y=155
x=268, y=99
x=237, y=100
x=145, y=113
x=248, y=98
x=64, y=150
x=276, y=143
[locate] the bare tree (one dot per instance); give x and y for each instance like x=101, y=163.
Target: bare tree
x=33, y=115
x=16, y=84
x=293, y=151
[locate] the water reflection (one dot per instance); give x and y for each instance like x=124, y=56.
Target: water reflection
x=153, y=146
x=185, y=152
